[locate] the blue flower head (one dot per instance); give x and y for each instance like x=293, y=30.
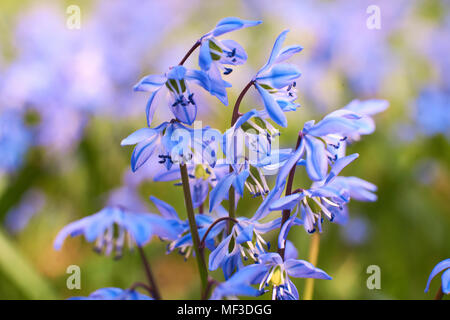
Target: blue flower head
x=270, y=270
x=313, y=202
x=278, y=272
x=135, y=228
x=202, y=177
x=444, y=265
x=15, y=139
x=175, y=84
x=275, y=81
x=248, y=242
x=182, y=241
x=169, y=143
x=215, y=54
x=114, y=294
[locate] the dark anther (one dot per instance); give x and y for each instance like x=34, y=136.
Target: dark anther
x=191, y=98
x=227, y=71
x=231, y=53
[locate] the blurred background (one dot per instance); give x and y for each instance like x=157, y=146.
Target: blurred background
x=66, y=101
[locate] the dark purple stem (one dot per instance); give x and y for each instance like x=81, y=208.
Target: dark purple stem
x=287, y=213
x=149, y=273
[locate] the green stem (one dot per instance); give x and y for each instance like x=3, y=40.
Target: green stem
x=193, y=226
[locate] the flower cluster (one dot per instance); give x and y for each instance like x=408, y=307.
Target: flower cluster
x=223, y=238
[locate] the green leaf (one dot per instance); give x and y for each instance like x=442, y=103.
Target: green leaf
x=21, y=272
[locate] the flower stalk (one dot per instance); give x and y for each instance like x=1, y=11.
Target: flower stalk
x=287, y=213
x=234, y=117
x=150, y=277
x=193, y=227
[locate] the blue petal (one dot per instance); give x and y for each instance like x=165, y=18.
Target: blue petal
x=245, y=117
x=280, y=76
x=268, y=226
x=217, y=256
x=445, y=264
x=150, y=107
x=245, y=234
x=72, y=229
x=150, y=83
x=446, y=281
x=239, y=57
x=316, y=158
x=138, y=136
x=99, y=223
x=287, y=202
x=199, y=191
x=220, y=191
x=169, y=175
x=304, y=269
x=185, y=114
x=368, y=107
x=142, y=152
x=199, y=77
x=239, y=182
x=204, y=57
x=263, y=209
x=139, y=227
x=275, y=51
x=272, y=107
x=334, y=125
x=339, y=165
x=231, y=23
x=177, y=73
x=288, y=52
x=360, y=189
x=166, y=209
x=217, y=85
x=290, y=251
x=292, y=161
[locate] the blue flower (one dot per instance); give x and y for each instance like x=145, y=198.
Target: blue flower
x=314, y=202
x=114, y=294
x=444, y=265
x=169, y=143
x=270, y=269
x=15, y=139
x=215, y=53
x=365, y=109
x=356, y=189
x=176, y=84
x=240, y=283
x=275, y=81
x=431, y=113
x=322, y=143
x=246, y=236
x=201, y=178
x=183, y=239
x=278, y=272
x=135, y=228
